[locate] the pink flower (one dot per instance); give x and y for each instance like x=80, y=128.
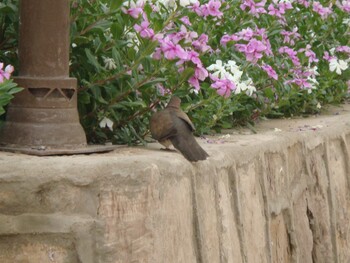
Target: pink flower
x=270, y=71
x=291, y=53
x=324, y=12
x=213, y=8
x=187, y=35
x=193, y=81
x=305, y=3
x=265, y=40
x=345, y=6
x=246, y=34
x=345, y=49
x=309, y=53
x=194, y=57
x=201, y=43
x=225, y=39
x=134, y=12
x=285, y=6
x=302, y=83
x=253, y=50
x=195, y=7
x=254, y=8
x=144, y=30
x=157, y=55
x=162, y=90
x=171, y=50
x=290, y=36
x=135, y=9
x=273, y=11
x=327, y=57
x=201, y=73
x=223, y=87
x=5, y=74
x=185, y=20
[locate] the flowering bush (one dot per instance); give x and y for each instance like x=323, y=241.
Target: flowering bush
x=7, y=87
x=8, y=46
x=229, y=61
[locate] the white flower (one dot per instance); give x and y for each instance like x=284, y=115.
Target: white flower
x=9, y=69
x=219, y=68
x=168, y=3
x=318, y=106
x=232, y=78
x=132, y=40
x=314, y=70
x=194, y=91
x=231, y=64
x=337, y=66
x=245, y=86
x=106, y=122
x=312, y=80
x=133, y=4
x=346, y=21
x=187, y=2
x=235, y=70
x=109, y=63
x=74, y=45
x=105, y=8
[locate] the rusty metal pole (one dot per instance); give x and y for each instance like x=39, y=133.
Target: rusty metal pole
x=43, y=119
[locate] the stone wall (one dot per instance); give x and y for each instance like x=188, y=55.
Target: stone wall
x=266, y=197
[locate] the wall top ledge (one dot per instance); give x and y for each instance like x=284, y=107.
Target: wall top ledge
x=240, y=146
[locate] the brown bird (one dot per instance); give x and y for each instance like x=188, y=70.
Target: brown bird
x=172, y=126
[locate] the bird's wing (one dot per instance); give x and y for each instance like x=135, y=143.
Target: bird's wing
x=162, y=125
x=182, y=115
x=185, y=142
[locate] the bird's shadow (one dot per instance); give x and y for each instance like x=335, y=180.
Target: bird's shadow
x=167, y=150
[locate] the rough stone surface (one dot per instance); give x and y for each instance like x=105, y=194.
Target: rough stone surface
x=281, y=195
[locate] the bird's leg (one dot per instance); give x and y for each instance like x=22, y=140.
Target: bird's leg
x=167, y=144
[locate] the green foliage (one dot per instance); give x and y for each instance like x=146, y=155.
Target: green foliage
x=7, y=89
x=8, y=49
x=9, y=32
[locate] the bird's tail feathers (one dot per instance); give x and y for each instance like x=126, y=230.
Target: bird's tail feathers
x=189, y=148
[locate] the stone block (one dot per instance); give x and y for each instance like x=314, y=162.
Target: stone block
x=318, y=209
x=281, y=247
x=252, y=210
x=35, y=248
x=339, y=181
x=230, y=246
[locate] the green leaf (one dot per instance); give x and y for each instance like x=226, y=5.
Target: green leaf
x=15, y=90
x=153, y=81
x=84, y=97
x=186, y=74
x=115, y=4
x=117, y=58
x=117, y=30
x=269, y=93
x=92, y=60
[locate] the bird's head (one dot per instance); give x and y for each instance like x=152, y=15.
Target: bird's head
x=174, y=102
